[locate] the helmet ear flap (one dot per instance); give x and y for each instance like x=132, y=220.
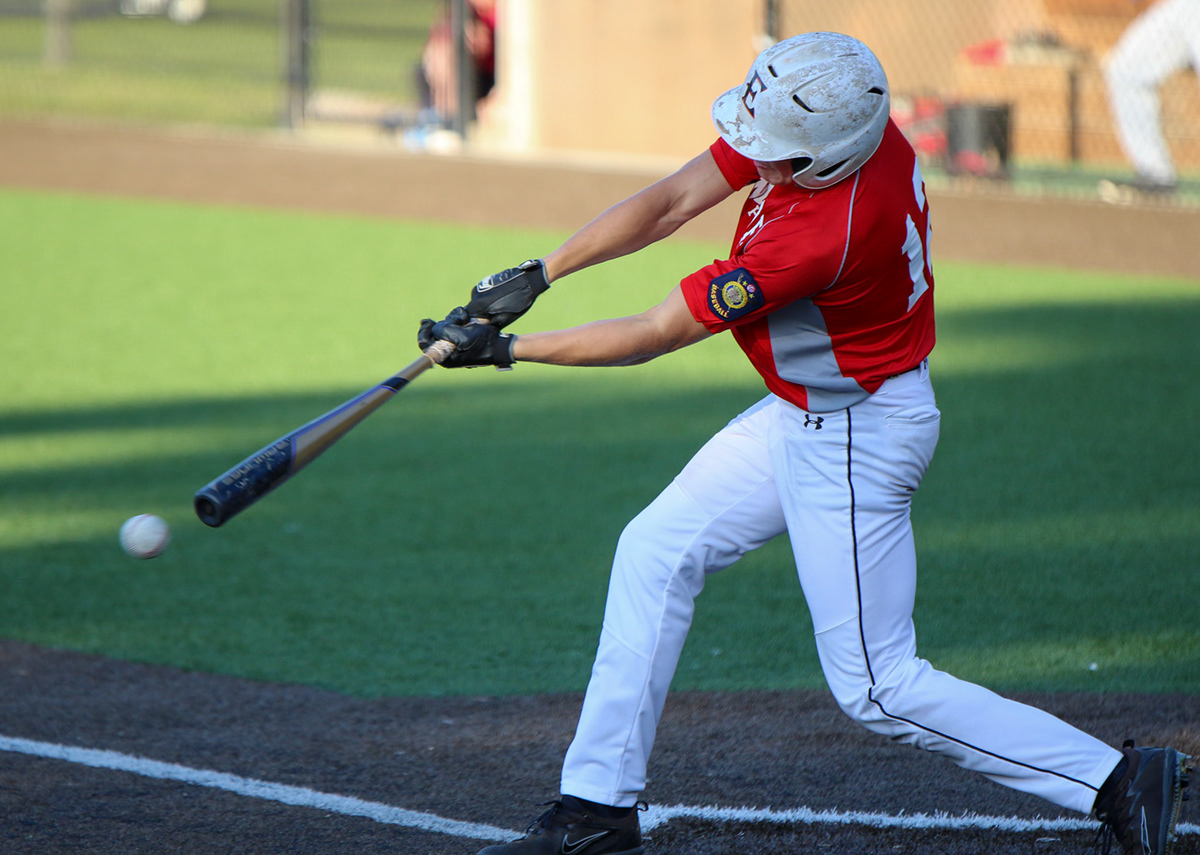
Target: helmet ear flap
x=799, y=164
x=830, y=170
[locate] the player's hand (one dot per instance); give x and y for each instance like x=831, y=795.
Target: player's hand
x=503, y=297
x=474, y=343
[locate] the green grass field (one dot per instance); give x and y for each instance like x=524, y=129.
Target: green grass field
x=459, y=540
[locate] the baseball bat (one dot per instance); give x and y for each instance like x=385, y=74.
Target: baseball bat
x=263, y=471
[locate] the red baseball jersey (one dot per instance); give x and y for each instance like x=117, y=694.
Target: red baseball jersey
x=829, y=292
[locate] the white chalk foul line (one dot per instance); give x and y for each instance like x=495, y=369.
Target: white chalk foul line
x=298, y=796
x=658, y=815
x=652, y=818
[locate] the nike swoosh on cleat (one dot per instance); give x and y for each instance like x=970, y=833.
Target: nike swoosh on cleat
x=570, y=847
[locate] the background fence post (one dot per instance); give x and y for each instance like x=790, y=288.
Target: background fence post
x=771, y=20
x=58, y=31
x=297, y=19
x=464, y=68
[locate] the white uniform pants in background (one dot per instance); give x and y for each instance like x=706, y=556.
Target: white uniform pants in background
x=840, y=484
x=1161, y=41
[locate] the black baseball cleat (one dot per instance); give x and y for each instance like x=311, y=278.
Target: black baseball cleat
x=570, y=828
x=1138, y=805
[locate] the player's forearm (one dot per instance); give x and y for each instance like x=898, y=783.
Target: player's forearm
x=620, y=341
x=600, y=343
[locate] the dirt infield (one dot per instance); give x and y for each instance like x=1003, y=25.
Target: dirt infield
x=382, y=180
x=240, y=750
x=479, y=760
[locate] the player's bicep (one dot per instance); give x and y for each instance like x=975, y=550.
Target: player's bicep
x=694, y=188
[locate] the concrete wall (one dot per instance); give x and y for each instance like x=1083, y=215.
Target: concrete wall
x=618, y=76
x=637, y=77
x=918, y=41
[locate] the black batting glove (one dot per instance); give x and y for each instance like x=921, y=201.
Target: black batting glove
x=474, y=343
x=503, y=297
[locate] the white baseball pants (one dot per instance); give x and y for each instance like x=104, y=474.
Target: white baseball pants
x=1161, y=41
x=840, y=485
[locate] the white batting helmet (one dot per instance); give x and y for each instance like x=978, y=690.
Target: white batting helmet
x=819, y=99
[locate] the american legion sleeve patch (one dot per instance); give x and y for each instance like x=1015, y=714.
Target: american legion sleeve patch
x=734, y=294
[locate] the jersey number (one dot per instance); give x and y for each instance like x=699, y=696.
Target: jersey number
x=916, y=249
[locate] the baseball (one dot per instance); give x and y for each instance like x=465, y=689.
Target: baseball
x=145, y=535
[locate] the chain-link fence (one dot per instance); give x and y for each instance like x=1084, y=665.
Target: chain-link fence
x=1066, y=89
x=219, y=62
x=1011, y=89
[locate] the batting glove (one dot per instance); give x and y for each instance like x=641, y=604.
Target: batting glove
x=475, y=344
x=503, y=297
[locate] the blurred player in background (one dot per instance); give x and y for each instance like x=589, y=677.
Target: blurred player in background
x=179, y=11
x=437, y=75
x=828, y=289
x=1162, y=40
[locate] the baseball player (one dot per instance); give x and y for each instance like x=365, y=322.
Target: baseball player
x=828, y=289
x=1162, y=40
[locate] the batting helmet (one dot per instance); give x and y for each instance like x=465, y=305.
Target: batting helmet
x=819, y=99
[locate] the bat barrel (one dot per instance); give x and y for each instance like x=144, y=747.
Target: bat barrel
x=245, y=484
x=266, y=469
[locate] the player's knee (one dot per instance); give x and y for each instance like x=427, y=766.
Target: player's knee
x=664, y=532
x=851, y=689
x=638, y=547
x=650, y=558
x=1125, y=73
x=639, y=532
x=858, y=706
x=879, y=700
